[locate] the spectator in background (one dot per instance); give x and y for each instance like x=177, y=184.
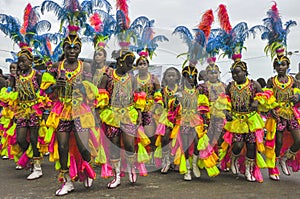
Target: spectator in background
x=297, y=76
x=202, y=78
x=2, y=80
x=262, y=82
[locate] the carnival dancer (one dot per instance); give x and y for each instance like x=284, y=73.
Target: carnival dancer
x=170, y=86
x=283, y=131
x=71, y=117
x=192, y=149
x=213, y=88
x=28, y=112
x=244, y=126
x=150, y=84
x=122, y=106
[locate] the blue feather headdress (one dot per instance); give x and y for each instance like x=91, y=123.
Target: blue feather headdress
x=273, y=31
x=146, y=41
x=100, y=29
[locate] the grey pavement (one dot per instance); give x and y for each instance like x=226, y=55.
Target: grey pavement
x=13, y=185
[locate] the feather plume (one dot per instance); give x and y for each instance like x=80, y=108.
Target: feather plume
x=122, y=5
x=206, y=22
x=27, y=12
x=224, y=18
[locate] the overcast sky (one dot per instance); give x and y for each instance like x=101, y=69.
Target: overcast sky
x=169, y=14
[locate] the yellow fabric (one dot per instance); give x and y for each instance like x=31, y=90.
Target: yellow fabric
x=90, y=89
x=102, y=98
x=267, y=101
x=222, y=103
x=244, y=123
x=203, y=100
x=175, y=131
x=164, y=119
x=114, y=116
x=144, y=140
x=47, y=80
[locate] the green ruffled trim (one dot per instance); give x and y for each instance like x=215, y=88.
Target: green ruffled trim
x=101, y=156
x=47, y=78
x=158, y=152
x=213, y=171
x=142, y=155
x=260, y=162
x=203, y=142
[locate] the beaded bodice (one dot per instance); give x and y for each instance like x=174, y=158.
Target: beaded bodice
x=242, y=96
x=282, y=91
x=146, y=85
x=27, y=86
x=122, y=93
x=71, y=76
x=214, y=90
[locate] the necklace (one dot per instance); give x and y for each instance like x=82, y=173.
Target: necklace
x=27, y=77
x=143, y=81
x=283, y=85
x=70, y=74
x=120, y=78
x=241, y=86
x=171, y=92
x=189, y=90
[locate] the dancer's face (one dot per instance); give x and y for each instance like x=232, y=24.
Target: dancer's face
x=142, y=65
x=281, y=68
x=24, y=63
x=100, y=57
x=238, y=75
x=171, y=77
x=213, y=76
x=72, y=52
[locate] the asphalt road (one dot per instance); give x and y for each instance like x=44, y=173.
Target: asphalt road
x=13, y=185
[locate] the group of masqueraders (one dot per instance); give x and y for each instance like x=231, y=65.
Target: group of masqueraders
x=86, y=114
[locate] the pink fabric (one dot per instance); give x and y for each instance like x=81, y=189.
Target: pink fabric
x=73, y=169
x=296, y=112
x=94, y=139
x=259, y=136
x=51, y=144
x=88, y=170
x=158, y=162
x=228, y=137
x=23, y=160
x=161, y=129
x=203, y=109
x=106, y=171
x=270, y=143
x=57, y=107
x=38, y=108
x=273, y=171
x=203, y=154
x=257, y=174
x=142, y=169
